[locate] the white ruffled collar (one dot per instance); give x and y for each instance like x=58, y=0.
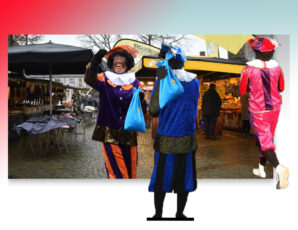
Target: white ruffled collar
x=260, y=64
x=183, y=75
x=120, y=79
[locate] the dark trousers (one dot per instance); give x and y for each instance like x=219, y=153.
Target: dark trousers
x=210, y=124
x=159, y=199
x=270, y=156
x=246, y=126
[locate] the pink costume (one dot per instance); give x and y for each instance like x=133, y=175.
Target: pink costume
x=264, y=81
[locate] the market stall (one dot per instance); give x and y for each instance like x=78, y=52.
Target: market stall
x=224, y=73
x=29, y=97
x=230, y=114
x=32, y=95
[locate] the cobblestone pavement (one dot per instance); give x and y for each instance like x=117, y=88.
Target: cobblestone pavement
x=231, y=156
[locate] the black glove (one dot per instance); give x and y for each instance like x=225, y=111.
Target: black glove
x=96, y=60
x=161, y=72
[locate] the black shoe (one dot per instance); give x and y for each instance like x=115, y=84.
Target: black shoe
x=213, y=138
x=180, y=216
x=156, y=216
x=207, y=137
x=278, y=185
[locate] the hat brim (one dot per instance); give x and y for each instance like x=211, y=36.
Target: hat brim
x=132, y=51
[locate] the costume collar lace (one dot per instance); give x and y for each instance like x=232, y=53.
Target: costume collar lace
x=120, y=79
x=260, y=64
x=183, y=75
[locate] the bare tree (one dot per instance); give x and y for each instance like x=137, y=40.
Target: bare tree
x=100, y=41
x=148, y=38
x=107, y=41
x=24, y=39
x=157, y=39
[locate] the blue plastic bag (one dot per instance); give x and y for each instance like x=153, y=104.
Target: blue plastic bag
x=135, y=118
x=170, y=87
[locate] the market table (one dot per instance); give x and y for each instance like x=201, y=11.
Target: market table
x=48, y=129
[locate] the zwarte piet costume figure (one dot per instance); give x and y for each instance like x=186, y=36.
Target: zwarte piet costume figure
x=175, y=142
x=264, y=80
x=115, y=93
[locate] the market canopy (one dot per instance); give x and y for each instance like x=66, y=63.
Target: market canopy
x=232, y=43
x=35, y=59
x=209, y=69
x=48, y=59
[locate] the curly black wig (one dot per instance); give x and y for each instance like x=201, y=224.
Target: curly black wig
x=129, y=61
x=173, y=63
x=162, y=54
x=264, y=56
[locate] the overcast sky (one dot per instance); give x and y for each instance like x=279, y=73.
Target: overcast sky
x=192, y=45
x=63, y=39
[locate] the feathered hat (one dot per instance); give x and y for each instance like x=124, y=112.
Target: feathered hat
x=263, y=44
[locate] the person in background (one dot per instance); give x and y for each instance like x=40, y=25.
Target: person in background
x=175, y=143
x=90, y=100
x=115, y=93
x=264, y=80
x=211, y=104
x=245, y=114
x=143, y=103
x=71, y=105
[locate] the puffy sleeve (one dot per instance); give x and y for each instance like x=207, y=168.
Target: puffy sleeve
x=243, y=81
x=154, y=108
x=95, y=80
x=281, y=81
x=154, y=100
